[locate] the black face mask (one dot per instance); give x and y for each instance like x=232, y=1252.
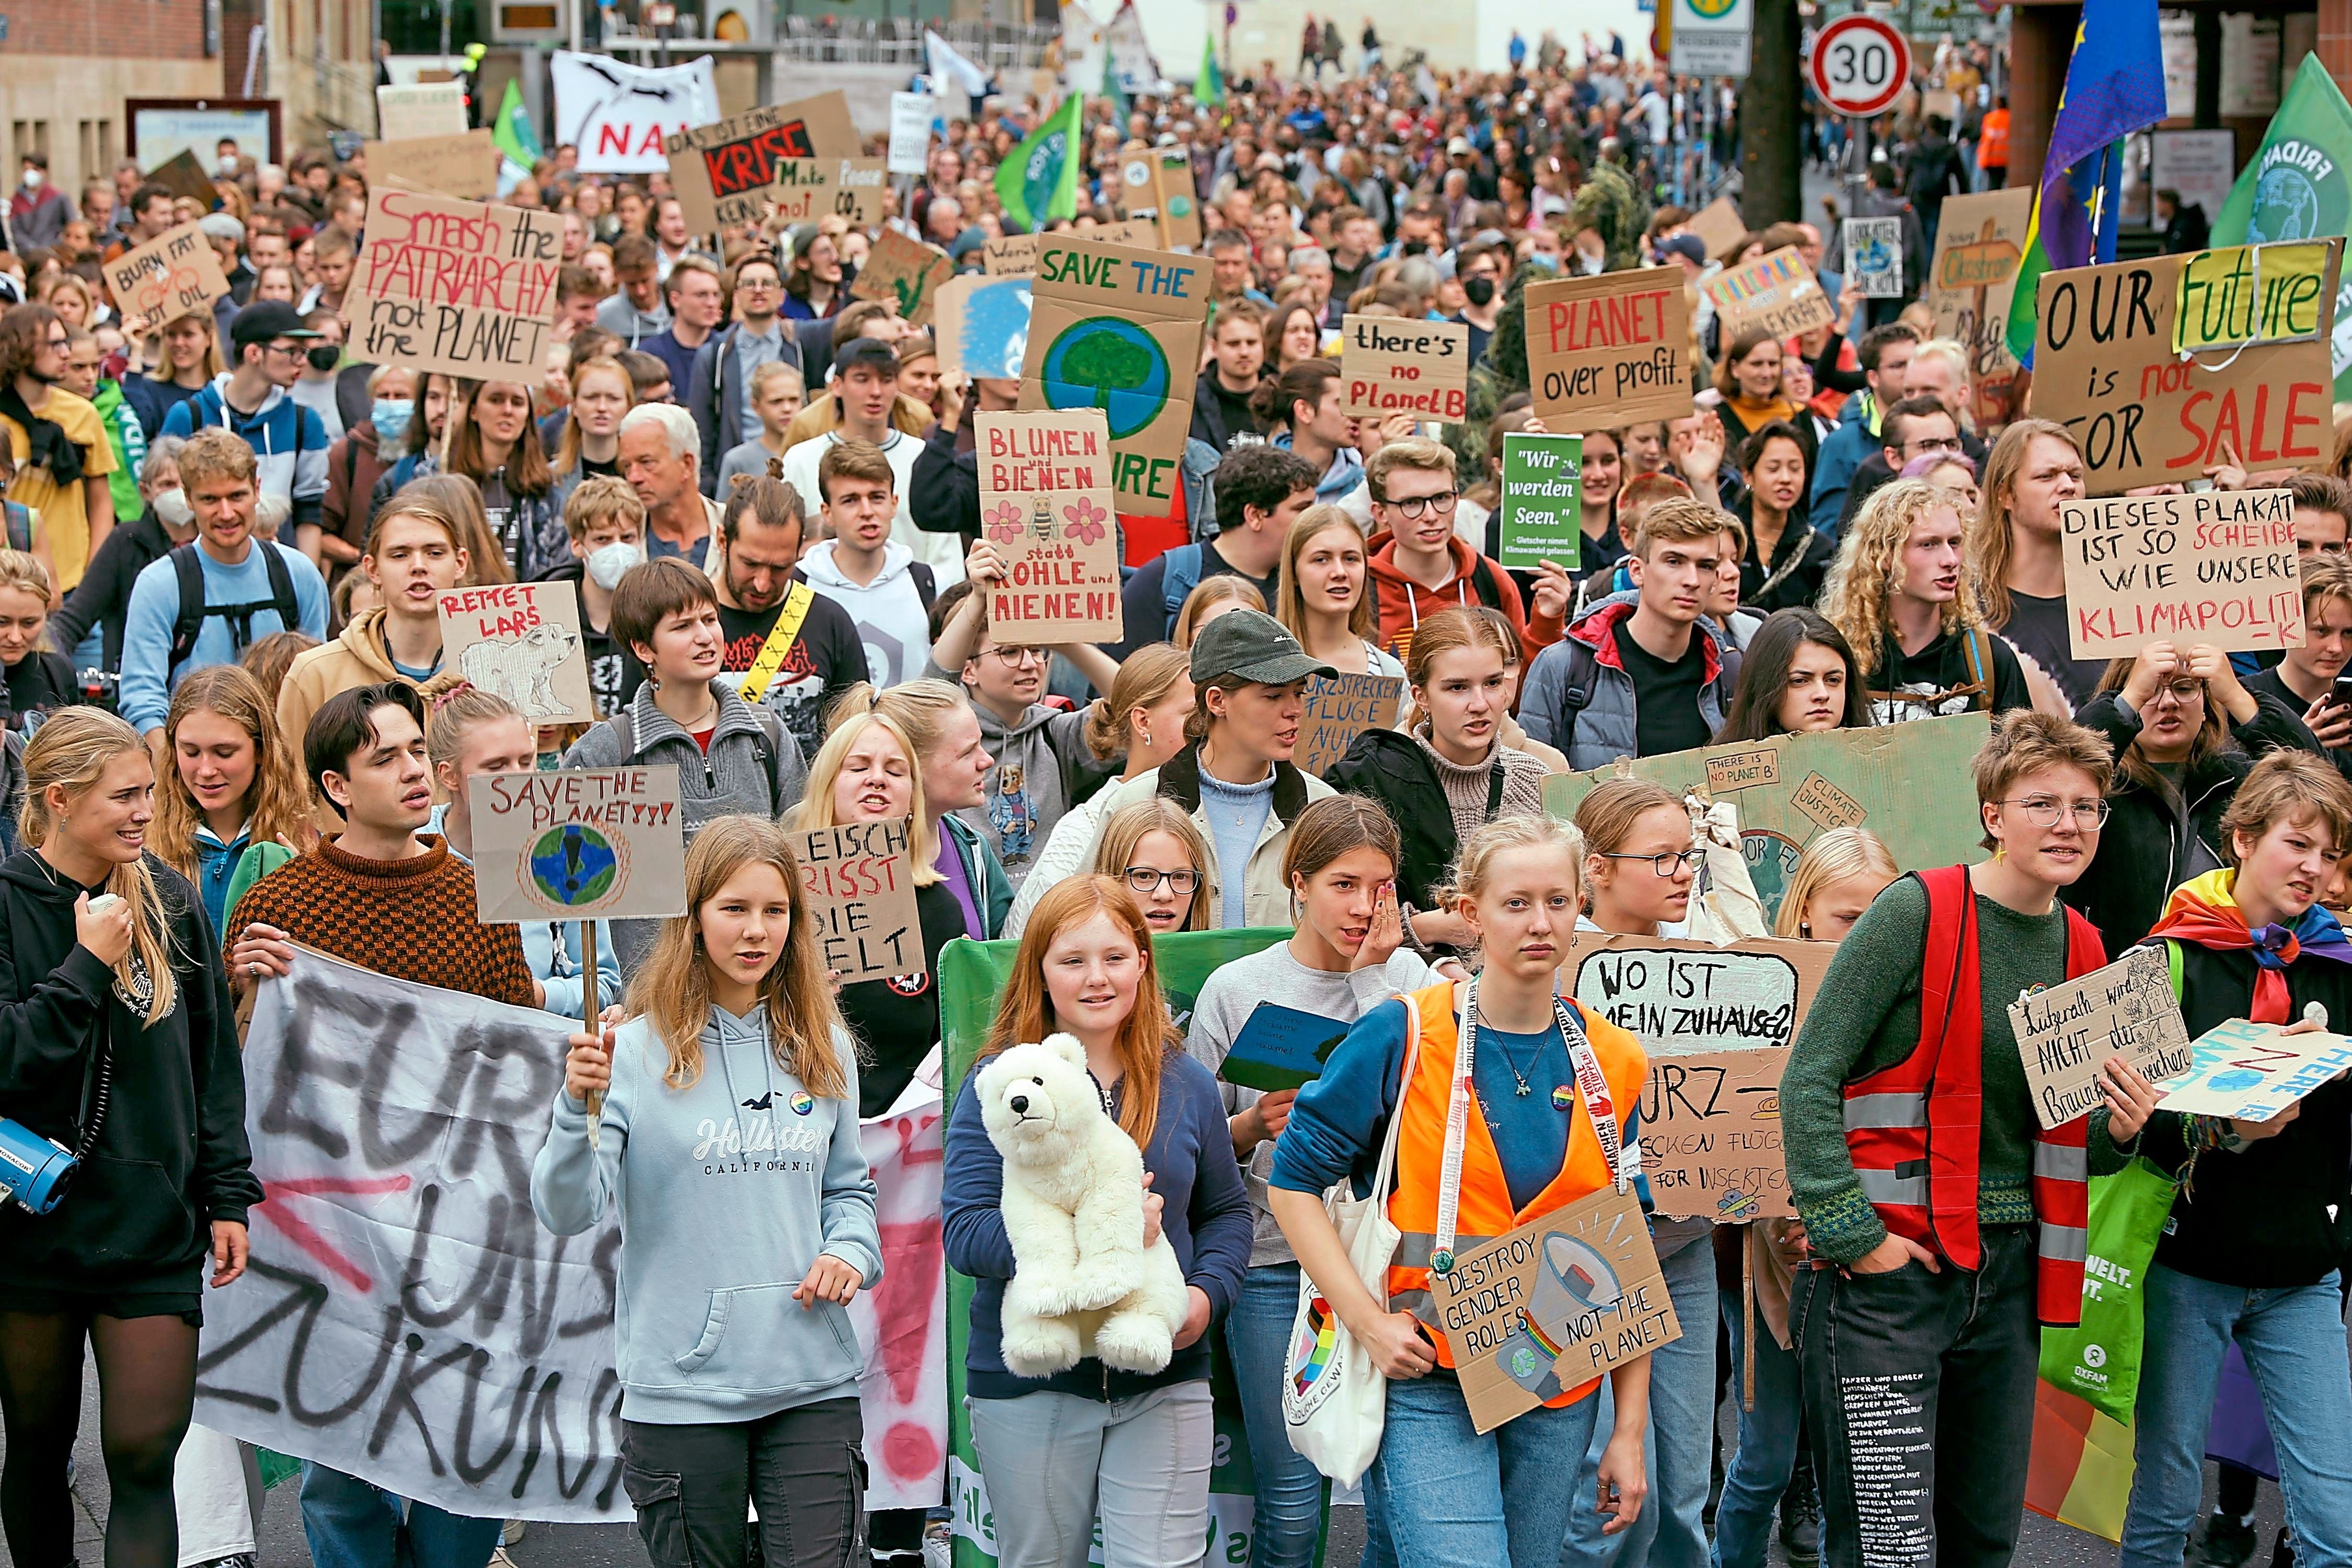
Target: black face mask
x=324, y=356
x=1479, y=291
x=1415, y=246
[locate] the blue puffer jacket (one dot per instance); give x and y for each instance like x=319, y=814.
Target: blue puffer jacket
x=1604, y=729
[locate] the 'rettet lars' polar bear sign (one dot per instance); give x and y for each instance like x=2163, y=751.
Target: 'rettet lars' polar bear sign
x=522, y=641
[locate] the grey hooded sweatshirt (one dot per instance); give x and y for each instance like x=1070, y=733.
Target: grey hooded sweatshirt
x=728, y=1190
x=1027, y=785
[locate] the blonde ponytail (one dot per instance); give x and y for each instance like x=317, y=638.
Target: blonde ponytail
x=71, y=752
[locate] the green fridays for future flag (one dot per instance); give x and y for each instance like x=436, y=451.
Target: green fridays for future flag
x=1040, y=181
x=2299, y=186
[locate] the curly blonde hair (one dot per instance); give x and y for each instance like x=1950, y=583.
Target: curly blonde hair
x=1869, y=568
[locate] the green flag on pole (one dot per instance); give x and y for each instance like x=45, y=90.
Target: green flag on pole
x=1113, y=89
x=517, y=139
x=1040, y=181
x=1209, y=90
x=2298, y=185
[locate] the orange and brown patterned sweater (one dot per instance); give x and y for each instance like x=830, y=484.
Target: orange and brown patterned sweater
x=412, y=919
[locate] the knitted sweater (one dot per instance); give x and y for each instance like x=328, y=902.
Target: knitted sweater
x=1866, y=1017
x=412, y=919
x=1466, y=788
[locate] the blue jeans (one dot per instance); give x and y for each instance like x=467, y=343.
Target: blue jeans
x=2293, y=1339
x=1757, y=1472
x=1453, y=1497
x=1679, y=1447
x=1290, y=1514
x=352, y=1523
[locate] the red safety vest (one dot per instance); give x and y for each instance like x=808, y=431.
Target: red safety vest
x=1912, y=1128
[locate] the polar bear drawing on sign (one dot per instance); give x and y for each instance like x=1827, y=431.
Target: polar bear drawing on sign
x=522, y=668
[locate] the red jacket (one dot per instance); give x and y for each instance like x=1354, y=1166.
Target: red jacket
x=1403, y=603
x=1913, y=1129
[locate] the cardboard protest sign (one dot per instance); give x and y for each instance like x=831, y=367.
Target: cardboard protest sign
x=1979, y=243
x=400, y=1290
x=1777, y=293
x=860, y=882
x=1607, y=351
x=981, y=325
x=178, y=273
x=1718, y=226
x=1012, y=254
x=808, y=189
x=1118, y=329
x=2252, y=294
x=911, y=118
x=1391, y=365
x=859, y=185
x=404, y=113
x=2064, y=1031
x=1553, y=1305
x=1711, y=1136
x=521, y=641
x=578, y=842
x=1155, y=185
x=721, y=172
x=1831, y=778
x=1873, y=256
x=1338, y=710
x=1542, y=502
x=2104, y=366
x=906, y=273
x=461, y=287
x=183, y=176
x=1046, y=503
x=2218, y=566
x=465, y=167
x=2251, y=1072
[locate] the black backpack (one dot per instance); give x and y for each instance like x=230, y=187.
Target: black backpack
x=189, y=623
x=768, y=746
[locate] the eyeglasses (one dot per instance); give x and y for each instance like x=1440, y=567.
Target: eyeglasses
x=291, y=351
x=60, y=344
x=1146, y=880
x=1926, y=444
x=749, y=284
x=1017, y=656
x=2042, y=811
x=1415, y=508
x=2181, y=692
x=1665, y=864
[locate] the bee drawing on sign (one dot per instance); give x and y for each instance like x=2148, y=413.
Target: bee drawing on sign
x=1041, y=521
x=521, y=668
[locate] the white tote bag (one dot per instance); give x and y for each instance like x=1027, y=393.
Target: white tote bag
x=1334, y=1401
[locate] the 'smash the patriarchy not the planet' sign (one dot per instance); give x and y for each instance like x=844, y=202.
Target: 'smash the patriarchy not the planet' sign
x=578, y=842
x=1543, y=511
x=1046, y=503
x=521, y=641
x=1553, y=1305
x=1388, y=364
x=1338, y=709
x=1117, y=328
x=2067, y=1032
x=1607, y=351
x=721, y=172
x=2215, y=566
x=457, y=287
x=1776, y=293
x=860, y=882
x=2146, y=413
x=176, y=274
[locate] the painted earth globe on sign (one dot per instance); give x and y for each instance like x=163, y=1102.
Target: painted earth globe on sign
x=574, y=864
x=1112, y=364
x=2286, y=205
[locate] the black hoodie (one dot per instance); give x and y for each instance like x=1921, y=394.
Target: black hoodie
x=172, y=1157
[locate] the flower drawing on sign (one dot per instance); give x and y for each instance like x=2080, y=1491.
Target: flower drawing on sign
x=1005, y=522
x=1085, y=520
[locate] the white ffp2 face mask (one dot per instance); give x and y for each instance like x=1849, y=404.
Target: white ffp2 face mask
x=608, y=565
x=173, y=507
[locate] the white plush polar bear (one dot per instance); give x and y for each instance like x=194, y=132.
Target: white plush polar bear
x=1083, y=1281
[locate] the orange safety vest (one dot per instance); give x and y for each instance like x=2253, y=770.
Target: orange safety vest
x=1992, y=141
x=1913, y=1129
x=1484, y=1210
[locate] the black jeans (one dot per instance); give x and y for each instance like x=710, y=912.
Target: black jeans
x=1919, y=1391
x=801, y=1468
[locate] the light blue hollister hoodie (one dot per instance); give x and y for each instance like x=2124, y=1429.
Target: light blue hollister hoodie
x=728, y=1192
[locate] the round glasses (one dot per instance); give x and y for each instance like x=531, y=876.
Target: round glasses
x=2041, y=810
x=1146, y=880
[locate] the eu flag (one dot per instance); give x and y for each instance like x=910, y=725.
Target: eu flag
x=2115, y=87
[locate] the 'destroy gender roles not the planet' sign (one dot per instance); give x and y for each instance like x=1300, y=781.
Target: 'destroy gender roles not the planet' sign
x=2218, y=566
x=578, y=842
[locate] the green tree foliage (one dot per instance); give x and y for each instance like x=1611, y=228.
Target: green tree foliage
x=1611, y=206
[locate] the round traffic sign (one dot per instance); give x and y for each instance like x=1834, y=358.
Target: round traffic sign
x=1861, y=66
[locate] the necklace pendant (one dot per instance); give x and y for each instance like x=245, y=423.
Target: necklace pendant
x=1525, y=1089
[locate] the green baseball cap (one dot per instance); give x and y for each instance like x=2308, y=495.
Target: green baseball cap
x=1255, y=646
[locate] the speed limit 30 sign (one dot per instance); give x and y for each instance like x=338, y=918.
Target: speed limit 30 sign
x=1861, y=66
